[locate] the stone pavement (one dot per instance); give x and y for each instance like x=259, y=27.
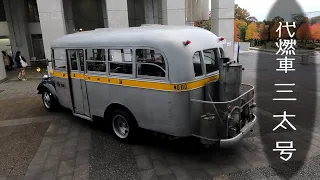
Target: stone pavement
x=36, y=145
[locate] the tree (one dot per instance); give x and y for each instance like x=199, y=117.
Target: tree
x=252, y=32
x=252, y=19
x=206, y=24
x=304, y=32
x=240, y=23
x=274, y=33
x=315, y=31
x=242, y=27
x=300, y=19
x=277, y=19
x=263, y=32
x=236, y=33
x=241, y=13
x=315, y=20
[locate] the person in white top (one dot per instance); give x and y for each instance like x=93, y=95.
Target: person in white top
x=21, y=64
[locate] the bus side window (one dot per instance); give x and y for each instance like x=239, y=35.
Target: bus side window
x=197, y=66
x=95, y=59
x=73, y=59
x=120, y=61
x=150, y=63
x=210, y=60
x=59, y=59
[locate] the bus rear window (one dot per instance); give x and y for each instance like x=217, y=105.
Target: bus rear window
x=197, y=64
x=211, y=60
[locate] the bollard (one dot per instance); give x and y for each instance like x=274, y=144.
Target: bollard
x=305, y=59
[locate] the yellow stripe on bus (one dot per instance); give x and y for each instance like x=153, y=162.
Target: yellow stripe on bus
x=139, y=84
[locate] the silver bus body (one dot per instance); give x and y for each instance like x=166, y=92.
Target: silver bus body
x=174, y=102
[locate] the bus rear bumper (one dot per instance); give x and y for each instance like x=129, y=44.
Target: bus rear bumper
x=234, y=140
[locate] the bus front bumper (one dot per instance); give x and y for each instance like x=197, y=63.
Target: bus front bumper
x=235, y=140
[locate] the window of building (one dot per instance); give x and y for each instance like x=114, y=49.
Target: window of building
x=96, y=60
x=33, y=14
x=120, y=61
x=150, y=63
x=197, y=64
x=211, y=60
x=59, y=59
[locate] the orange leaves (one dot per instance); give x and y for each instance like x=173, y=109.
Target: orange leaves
x=274, y=33
x=263, y=32
x=236, y=33
x=240, y=23
x=309, y=32
x=315, y=31
x=304, y=32
x=252, y=31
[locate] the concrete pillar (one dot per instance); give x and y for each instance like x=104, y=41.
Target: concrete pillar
x=52, y=23
x=173, y=12
x=116, y=14
x=20, y=38
x=67, y=6
x=222, y=17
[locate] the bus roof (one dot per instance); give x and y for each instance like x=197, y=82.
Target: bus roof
x=156, y=36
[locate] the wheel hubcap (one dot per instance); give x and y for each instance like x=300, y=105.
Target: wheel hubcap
x=120, y=126
x=46, y=100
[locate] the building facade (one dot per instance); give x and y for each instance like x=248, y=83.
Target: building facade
x=30, y=26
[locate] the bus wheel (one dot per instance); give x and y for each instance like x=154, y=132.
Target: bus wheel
x=123, y=125
x=48, y=101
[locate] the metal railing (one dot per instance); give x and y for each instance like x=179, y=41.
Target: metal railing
x=246, y=97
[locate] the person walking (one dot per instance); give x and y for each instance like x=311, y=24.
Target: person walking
x=21, y=64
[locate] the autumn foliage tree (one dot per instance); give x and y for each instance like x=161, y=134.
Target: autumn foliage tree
x=242, y=27
x=304, y=32
x=315, y=31
x=252, y=32
x=282, y=31
x=241, y=13
x=236, y=33
x=263, y=32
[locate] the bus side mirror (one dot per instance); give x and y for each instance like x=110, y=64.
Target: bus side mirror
x=225, y=60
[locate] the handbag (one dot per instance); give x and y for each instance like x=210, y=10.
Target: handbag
x=23, y=64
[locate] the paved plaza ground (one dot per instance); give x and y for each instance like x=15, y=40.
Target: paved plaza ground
x=38, y=145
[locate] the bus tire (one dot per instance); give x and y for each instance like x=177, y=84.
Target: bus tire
x=123, y=125
x=48, y=101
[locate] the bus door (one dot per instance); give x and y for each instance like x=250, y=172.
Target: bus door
x=78, y=83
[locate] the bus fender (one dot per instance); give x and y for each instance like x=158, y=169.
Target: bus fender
x=114, y=106
x=47, y=86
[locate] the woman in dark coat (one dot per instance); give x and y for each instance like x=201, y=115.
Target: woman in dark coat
x=17, y=59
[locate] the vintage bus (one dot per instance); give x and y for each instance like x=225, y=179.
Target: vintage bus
x=155, y=77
